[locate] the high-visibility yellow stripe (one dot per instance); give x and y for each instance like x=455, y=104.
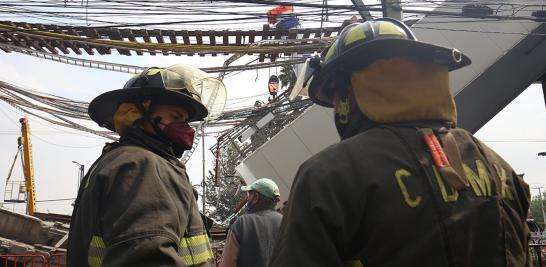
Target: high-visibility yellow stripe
x=94, y=261
x=198, y=258
x=96, y=251
x=96, y=241
x=195, y=250
x=194, y=241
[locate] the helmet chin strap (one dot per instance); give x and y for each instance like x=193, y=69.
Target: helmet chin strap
x=178, y=151
x=349, y=121
x=155, y=125
x=146, y=114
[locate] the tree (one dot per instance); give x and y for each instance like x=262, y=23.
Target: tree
x=535, y=210
x=288, y=76
x=221, y=200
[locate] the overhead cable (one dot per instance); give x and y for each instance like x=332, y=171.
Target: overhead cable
x=165, y=47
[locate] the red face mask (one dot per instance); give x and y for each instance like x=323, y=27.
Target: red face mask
x=180, y=133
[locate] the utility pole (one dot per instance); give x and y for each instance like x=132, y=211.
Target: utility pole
x=543, y=82
x=541, y=204
x=81, y=173
x=364, y=13
x=392, y=9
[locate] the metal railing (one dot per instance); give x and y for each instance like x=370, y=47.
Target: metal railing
x=538, y=253
x=32, y=260
x=29, y=260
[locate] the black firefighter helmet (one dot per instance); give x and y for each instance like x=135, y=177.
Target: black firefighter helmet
x=360, y=44
x=178, y=85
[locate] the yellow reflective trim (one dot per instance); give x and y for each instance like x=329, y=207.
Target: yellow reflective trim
x=353, y=263
x=480, y=182
x=198, y=258
x=447, y=197
x=330, y=52
x=505, y=189
x=96, y=241
x=153, y=71
x=355, y=34
x=411, y=202
x=386, y=28
x=94, y=261
x=344, y=110
x=194, y=241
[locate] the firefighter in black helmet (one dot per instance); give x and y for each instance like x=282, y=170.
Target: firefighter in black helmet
x=404, y=187
x=136, y=205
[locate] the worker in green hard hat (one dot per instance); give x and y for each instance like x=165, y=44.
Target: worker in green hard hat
x=405, y=186
x=252, y=236
x=136, y=205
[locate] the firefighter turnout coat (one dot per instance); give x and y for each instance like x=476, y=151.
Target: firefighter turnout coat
x=136, y=207
x=377, y=199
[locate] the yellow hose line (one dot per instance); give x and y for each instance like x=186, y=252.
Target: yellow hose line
x=165, y=47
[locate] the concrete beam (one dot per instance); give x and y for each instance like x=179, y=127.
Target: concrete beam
x=503, y=81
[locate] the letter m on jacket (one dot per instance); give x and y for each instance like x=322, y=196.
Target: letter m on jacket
x=480, y=182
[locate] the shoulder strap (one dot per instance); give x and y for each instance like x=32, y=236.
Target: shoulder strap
x=455, y=178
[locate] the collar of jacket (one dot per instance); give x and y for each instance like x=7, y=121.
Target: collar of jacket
x=136, y=136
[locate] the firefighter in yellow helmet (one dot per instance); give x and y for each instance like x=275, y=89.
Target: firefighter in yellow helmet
x=404, y=187
x=136, y=205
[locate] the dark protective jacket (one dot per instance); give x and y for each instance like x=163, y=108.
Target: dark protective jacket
x=375, y=199
x=136, y=207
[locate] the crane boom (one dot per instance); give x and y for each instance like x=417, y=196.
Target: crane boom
x=28, y=165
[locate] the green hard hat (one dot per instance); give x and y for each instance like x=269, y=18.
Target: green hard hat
x=177, y=85
x=264, y=186
x=360, y=44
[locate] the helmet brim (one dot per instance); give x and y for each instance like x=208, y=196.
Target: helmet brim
x=102, y=108
x=361, y=56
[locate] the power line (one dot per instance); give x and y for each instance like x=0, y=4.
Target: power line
x=131, y=69
x=523, y=140
x=478, y=31
x=65, y=146
x=197, y=8
x=45, y=200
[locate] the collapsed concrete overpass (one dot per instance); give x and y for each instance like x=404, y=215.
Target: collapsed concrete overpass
x=508, y=55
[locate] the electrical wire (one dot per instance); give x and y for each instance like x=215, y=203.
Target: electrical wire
x=179, y=11
x=197, y=8
x=521, y=140
x=65, y=146
x=166, y=47
x=45, y=200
